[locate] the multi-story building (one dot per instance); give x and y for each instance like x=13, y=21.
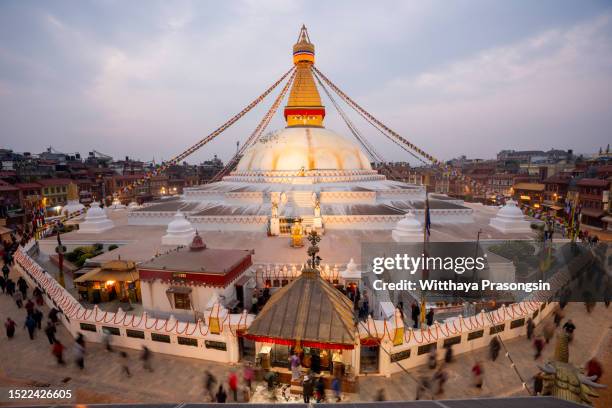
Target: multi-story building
x=556, y=192
x=54, y=191
x=529, y=194
x=594, y=199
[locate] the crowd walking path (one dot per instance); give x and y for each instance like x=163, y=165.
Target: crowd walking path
x=29, y=363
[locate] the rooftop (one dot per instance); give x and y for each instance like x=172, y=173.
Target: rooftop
x=209, y=260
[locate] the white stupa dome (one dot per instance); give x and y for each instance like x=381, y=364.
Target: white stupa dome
x=179, y=231
x=351, y=271
x=510, y=219
x=95, y=220
x=311, y=148
x=116, y=205
x=408, y=229
x=72, y=207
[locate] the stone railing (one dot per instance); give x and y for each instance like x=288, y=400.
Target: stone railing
x=213, y=337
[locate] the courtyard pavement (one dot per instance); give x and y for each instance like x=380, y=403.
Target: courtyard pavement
x=25, y=362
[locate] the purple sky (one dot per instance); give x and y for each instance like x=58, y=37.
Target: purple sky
x=149, y=78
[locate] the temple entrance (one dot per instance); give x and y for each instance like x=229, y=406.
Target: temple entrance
x=246, y=349
x=285, y=225
x=280, y=355
x=369, y=359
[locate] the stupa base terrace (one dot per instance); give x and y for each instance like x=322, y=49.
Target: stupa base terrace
x=348, y=199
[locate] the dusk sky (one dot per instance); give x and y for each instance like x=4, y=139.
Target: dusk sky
x=148, y=79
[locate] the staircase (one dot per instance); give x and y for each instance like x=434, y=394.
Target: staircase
x=302, y=198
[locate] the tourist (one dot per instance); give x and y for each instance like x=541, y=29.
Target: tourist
x=233, y=385
x=336, y=386
x=494, y=347
x=307, y=388
x=209, y=382
x=530, y=327
x=125, y=364
x=80, y=339
x=248, y=374
x=593, y=368
x=477, y=374
x=10, y=327
x=58, y=352
x=53, y=315
x=430, y=317
x=146, y=358
x=538, y=383
x=432, y=358
x=557, y=317
x=380, y=395
x=415, y=313
x=320, y=389
x=5, y=271
x=548, y=331
x=448, y=355
x=79, y=354
x=106, y=340
x=23, y=286
x=538, y=345
x=38, y=316
x=18, y=297
x=37, y=294
x=29, y=306
x=569, y=328
x=440, y=378
x=50, y=331
x=10, y=287
x=423, y=384
x=294, y=363
x=221, y=395
x=30, y=324
x=3, y=284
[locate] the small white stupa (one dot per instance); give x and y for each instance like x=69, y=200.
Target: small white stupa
x=510, y=219
x=116, y=205
x=73, y=206
x=351, y=272
x=408, y=229
x=95, y=220
x=179, y=232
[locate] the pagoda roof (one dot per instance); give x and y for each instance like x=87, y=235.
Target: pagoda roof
x=309, y=310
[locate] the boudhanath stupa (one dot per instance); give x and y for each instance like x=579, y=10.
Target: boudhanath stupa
x=303, y=171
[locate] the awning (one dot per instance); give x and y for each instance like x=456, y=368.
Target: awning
x=103, y=275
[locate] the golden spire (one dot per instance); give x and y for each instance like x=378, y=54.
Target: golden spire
x=304, y=107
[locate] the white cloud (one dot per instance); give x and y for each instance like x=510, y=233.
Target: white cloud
x=556, y=86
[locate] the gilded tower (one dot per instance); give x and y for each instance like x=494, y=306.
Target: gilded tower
x=304, y=107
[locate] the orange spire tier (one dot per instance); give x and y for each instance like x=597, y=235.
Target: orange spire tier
x=304, y=107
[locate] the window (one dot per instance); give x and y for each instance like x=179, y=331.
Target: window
x=187, y=341
x=497, y=329
x=400, y=355
x=88, y=327
x=475, y=335
x=425, y=349
x=163, y=338
x=452, y=340
x=181, y=301
x=517, y=323
x=112, y=330
x=217, y=345
x=137, y=334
